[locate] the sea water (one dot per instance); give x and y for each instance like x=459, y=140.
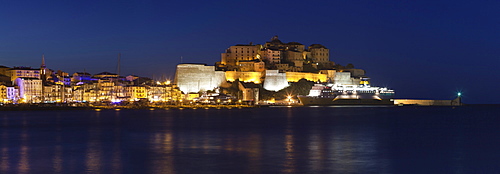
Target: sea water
x=253, y=140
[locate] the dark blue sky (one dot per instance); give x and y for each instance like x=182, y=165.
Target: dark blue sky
x=422, y=49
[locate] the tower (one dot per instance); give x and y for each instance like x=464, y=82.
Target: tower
x=43, y=69
x=43, y=77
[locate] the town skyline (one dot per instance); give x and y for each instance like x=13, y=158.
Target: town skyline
x=421, y=49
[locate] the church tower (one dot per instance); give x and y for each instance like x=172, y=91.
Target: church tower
x=43, y=69
x=43, y=76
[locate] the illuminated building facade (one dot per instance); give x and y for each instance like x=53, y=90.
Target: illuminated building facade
x=57, y=92
x=251, y=66
x=319, y=53
x=24, y=72
x=30, y=89
x=315, y=77
x=105, y=90
x=237, y=53
x=136, y=93
x=198, y=77
x=157, y=93
x=12, y=94
x=3, y=94
x=272, y=56
x=255, y=77
x=274, y=64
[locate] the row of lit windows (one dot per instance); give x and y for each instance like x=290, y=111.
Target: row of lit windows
x=243, y=52
x=366, y=91
x=28, y=72
x=241, y=55
x=321, y=54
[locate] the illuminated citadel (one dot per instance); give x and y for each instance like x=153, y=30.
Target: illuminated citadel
x=274, y=65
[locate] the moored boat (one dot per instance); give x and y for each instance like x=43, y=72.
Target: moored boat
x=337, y=94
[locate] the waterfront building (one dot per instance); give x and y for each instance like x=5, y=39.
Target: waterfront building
x=91, y=95
x=136, y=93
x=192, y=96
x=3, y=94
x=12, y=93
x=30, y=89
x=173, y=93
x=105, y=89
x=53, y=93
x=157, y=93
x=57, y=92
x=85, y=92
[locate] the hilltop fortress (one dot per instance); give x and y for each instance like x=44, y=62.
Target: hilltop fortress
x=273, y=64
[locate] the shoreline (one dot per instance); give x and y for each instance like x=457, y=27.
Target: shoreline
x=99, y=108
x=180, y=107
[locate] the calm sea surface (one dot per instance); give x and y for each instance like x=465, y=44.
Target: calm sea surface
x=253, y=140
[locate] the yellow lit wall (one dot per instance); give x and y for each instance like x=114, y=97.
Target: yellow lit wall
x=244, y=76
x=3, y=93
x=192, y=96
x=29, y=73
x=296, y=76
x=139, y=92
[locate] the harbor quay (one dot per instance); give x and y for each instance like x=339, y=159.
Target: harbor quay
x=99, y=107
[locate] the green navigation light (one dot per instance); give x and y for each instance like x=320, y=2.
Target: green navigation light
x=459, y=94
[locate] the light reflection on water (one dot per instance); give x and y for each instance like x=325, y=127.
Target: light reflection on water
x=264, y=140
x=170, y=141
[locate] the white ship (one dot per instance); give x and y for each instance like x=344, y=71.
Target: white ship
x=336, y=94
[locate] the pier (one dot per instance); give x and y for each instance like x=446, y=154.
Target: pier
x=422, y=102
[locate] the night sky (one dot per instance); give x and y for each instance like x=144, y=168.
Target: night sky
x=422, y=49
